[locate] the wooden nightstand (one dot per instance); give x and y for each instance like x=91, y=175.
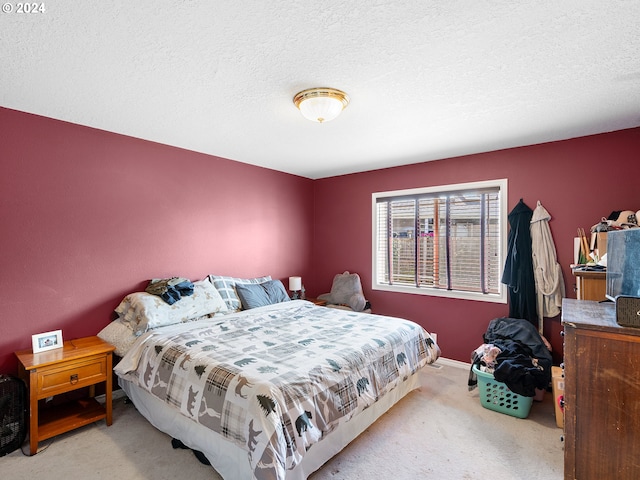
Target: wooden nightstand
x=83, y=362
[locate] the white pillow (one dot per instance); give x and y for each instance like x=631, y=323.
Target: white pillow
x=143, y=311
x=119, y=335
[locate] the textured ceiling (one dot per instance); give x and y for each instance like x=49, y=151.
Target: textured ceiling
x=427, y=79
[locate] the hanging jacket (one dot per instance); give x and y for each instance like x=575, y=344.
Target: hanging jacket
x=518, y=270
x=547, y=272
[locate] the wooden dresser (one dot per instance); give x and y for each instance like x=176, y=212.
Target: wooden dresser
x=602, y=393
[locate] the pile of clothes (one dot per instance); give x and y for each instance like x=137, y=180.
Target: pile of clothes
x=618, y=220
x=170, y=289
x=516, y=354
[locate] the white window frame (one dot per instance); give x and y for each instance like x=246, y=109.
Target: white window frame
x=500, y=297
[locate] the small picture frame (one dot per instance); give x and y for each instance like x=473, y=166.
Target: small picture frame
x=46, y=341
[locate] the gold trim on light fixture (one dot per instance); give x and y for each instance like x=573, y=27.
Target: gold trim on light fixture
x=321, y=104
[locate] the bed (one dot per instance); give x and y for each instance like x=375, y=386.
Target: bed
x=274, y=391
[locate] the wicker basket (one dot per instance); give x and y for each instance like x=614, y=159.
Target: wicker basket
x=496, y=396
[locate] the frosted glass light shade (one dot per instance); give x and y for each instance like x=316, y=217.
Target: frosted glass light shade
x=321, y=104
x=295, y=284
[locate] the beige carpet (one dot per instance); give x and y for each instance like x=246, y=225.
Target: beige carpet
x=438, y=432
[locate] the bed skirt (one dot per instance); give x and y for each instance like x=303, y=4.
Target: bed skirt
x=229, y=460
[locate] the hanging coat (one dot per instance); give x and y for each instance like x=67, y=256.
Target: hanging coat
x=518, y=269
x=546, y=269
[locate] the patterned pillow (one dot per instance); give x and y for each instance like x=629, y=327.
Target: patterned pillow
x=143, y=311
x=226, y=288
x=118, y=334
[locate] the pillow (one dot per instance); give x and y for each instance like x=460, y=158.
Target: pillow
x=143, y=311
x=252, y=295
x=276, y=291
x=226, y=288
x=118, y=334
x=346, y=290
x=259, y=295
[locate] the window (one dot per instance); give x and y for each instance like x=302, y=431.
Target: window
x=446, y=241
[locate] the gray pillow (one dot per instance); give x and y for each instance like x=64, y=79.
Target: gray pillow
x=259, y=295
x=227, y=288
x=276, y=291
x=252, y=296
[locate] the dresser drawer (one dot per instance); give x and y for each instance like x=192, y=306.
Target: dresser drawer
x=71, y=375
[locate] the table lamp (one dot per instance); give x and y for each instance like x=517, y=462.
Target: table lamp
x=295, y=285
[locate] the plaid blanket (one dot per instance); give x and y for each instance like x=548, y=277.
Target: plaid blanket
x=275, y=380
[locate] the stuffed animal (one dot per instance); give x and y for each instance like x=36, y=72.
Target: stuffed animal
x=346, y=290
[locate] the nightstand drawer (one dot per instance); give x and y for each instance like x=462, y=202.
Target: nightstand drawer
x=71, y=375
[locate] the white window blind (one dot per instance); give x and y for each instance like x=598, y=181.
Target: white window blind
x=448, y=240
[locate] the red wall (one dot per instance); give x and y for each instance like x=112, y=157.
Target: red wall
x=578, y=181
x=89, y=216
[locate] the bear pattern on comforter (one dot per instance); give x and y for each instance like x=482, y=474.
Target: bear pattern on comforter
x=275, y=380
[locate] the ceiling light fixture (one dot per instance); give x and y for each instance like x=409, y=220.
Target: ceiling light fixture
x=321, y=104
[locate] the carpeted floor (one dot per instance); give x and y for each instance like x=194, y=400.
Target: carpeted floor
x=440, y=431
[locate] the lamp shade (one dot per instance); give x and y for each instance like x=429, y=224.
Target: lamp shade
x=321, y=104
x=295, y=283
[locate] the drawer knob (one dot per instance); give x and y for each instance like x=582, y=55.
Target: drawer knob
x=73, y=379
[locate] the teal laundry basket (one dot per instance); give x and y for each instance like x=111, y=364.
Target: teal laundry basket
x=496, y=396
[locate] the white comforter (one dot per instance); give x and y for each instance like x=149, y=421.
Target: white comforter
x=276, y=379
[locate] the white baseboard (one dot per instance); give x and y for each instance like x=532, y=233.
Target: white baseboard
x=453, y=363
